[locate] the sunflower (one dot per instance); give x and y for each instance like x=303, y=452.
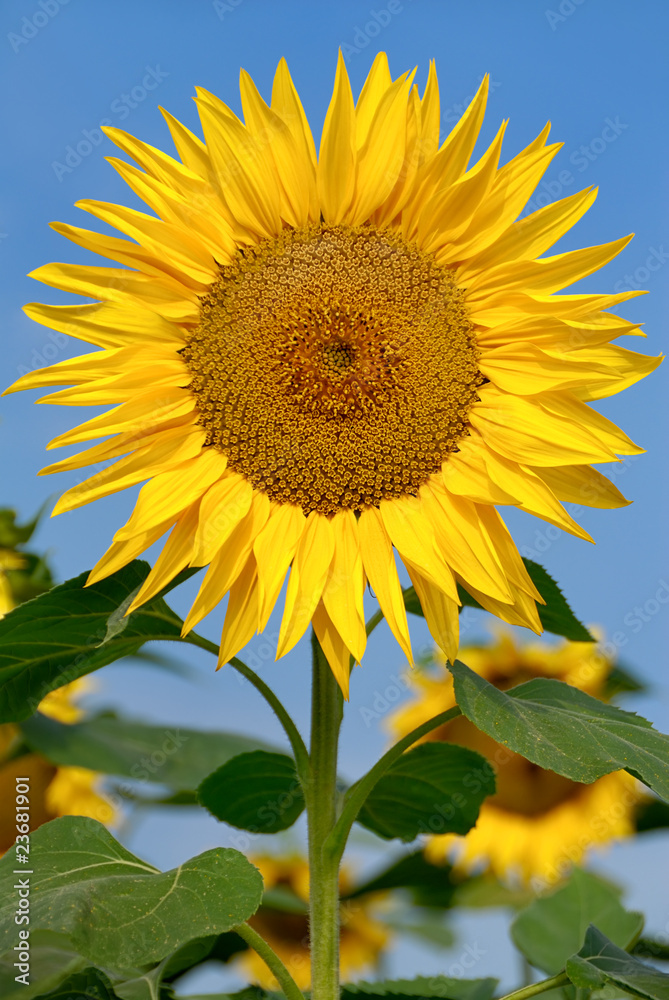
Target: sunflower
x=315, y=363
x=538, y=824
x=54, y=791
x=285, y=925
x=9, y=560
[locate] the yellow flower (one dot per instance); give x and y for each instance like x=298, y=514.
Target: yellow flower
x=314, y=362
x=538, y=824
x=9, y=559
x=362, y=938
x=54, y=791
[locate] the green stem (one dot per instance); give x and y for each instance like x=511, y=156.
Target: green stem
x=358, y=793
x=271, y=960
x=534, y=988
x=292, y=732
x=326, y=716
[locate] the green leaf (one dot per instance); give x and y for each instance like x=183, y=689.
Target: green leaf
x=429, y=885
x=117, y=911
x=621, y=680
x=256, y=791
x=424, y=987
x=564, y=730
x=652, y=815
x=600, y=962
x=33, y=578
x=166, y=755
x=650, y=948
x=552, y=928
x=433, y=788
x=88, y=984
x=51, y=960
x=556, y=616
x=72, y=630
x=13, y=534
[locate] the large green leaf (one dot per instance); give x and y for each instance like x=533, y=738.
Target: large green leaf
x=429, y=885
x=564, y=730
x=51, y=960
x=168, y=755
x=600, y=963
x=118, y=911
x=551, y=929
x=88, y=984
x=423, y=987
x=255, y=791
x=72, y=630
x=434, y=788
x=556, y=616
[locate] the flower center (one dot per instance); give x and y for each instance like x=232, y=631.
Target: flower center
x=334, y=367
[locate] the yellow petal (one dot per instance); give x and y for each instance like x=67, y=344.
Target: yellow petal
x=120, y=553
x=546, y=275
x=381, y=158
x=223, y=507
x=514, y=567
x=450, y=211
x=375, y=86
x=307, y=579
x=174, y=557
x=462, y=540
x=146, y=411
x=286, y=102
x=510, y=190
x=532, y=235
x=526, y=429
x=379, y=565
x=337, y=159
x=334, y=648
x=173, y=302
x=274, y=138
x=241, y=616
x=168, y=494
x=246, y=179
x=107, y=324
x=344, y=587
x=526, y=369
x=274, y=549
x=228, y=562
x=531, y=493
x=430, y=116
x=583, y=485
x=165, y=453
x=412, y=534
x=441, y=613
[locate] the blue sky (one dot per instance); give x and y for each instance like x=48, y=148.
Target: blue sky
x=597, y=69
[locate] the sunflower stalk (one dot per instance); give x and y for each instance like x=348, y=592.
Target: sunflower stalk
x=321, y=798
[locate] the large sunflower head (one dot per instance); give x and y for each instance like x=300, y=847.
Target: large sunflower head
x=538, y=824
x=283, y=922
x=54, y=791
x=316, y=363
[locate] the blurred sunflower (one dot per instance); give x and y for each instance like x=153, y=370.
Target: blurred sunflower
x=23, y=575
x=282, y=921
x=316, y=361
x=54, y=791
x=538, y=824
